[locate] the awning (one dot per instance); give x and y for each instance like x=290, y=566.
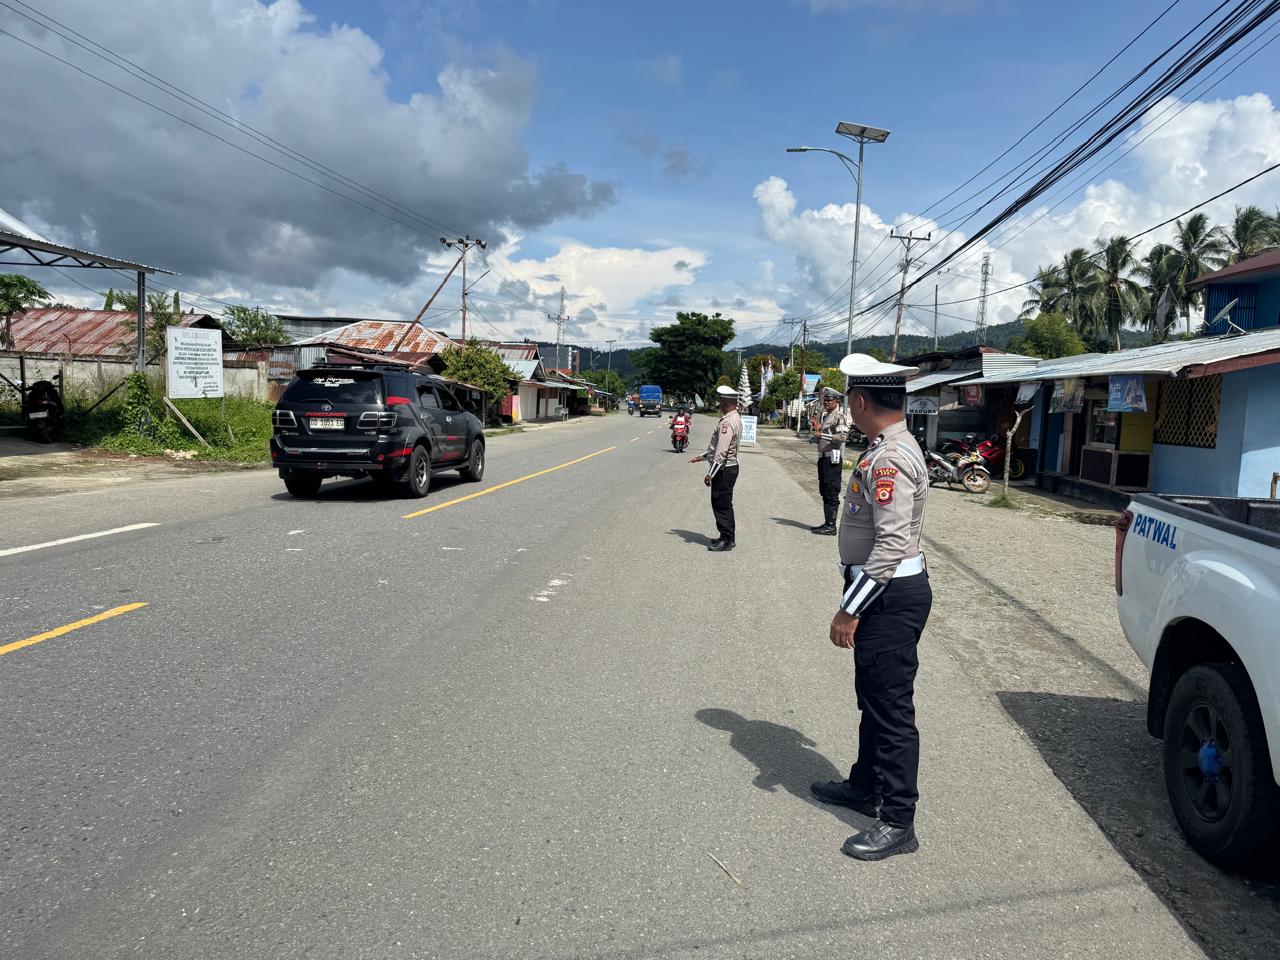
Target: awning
x=1180, y=358
x=927, y=380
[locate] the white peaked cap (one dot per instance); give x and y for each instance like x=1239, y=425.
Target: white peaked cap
x=865, y=370
x=723, y=391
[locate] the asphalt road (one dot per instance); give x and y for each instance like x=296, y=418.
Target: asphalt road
x=525, y=724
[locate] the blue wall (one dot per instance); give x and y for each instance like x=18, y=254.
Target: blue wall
x=1261, y=456
x=1216, y=472
x=1266, y=311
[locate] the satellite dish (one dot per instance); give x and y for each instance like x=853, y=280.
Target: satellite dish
x=1223, y=312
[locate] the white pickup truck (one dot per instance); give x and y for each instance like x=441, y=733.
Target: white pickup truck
x=1198, y=585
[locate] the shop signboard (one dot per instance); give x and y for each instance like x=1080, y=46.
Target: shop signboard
x=926, y=406
x=1068, y=396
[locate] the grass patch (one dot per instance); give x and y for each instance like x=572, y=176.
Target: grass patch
x=1003, y=501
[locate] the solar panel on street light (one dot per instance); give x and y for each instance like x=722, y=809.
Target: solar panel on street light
x=859, y=131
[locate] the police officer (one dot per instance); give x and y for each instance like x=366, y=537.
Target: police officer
x=833, y=430
x=884, y=604
x=722, y=474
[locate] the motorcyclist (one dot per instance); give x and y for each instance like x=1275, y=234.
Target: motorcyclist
x=681, y=417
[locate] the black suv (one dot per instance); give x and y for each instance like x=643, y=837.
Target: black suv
x=380, y=421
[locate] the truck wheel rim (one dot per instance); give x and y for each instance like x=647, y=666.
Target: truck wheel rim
x=420, y=472
x=1208, y=772
x=479, y=460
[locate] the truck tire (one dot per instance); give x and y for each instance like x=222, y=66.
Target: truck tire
x=417, y=476
x=302, y=484
x=1217, y=768
x=474, y=470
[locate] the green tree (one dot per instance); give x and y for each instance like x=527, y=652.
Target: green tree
x=177, y=305
x=783, y=388
x=833, y=378
x=810, y=361
x=479, y=366
x=1251, y=232
x=878, y=353
x=1197, y=249
x=160, y=317
x=1112, y=297
x=756, y=364
x=1048, y=335
x=1068, y=295
x=1158, y=270
x=18, y=293
x=253, y=326
x=109, y=303
x=1043, y=289
x=689, y=355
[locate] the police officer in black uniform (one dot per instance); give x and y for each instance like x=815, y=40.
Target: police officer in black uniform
x=884, y=604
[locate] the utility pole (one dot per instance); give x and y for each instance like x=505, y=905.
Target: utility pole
x=804, y=346
x=907, y=242
x=982, y=299
x=610, y=343
x=559, y=319
x=463, y=244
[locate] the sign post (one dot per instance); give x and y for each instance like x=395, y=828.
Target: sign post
x=749, y=430
x=193, y=363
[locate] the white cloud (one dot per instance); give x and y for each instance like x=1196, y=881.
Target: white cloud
x=1204, y=148
x=667, y=70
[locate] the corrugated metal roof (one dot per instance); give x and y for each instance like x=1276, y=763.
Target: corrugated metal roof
x=1177, y=358
x=1255, y=268
x=14, y=241
x=927, y=380
x=524, y=368
x=383, y=335
x=84, y=333
x=993, y=363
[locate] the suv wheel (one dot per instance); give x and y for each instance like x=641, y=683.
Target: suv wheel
x=474, y=470
x=303, y=484
x=417, y=477
x=1217, y=768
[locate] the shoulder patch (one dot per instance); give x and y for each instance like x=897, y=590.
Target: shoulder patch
x=884, y=490
x=885, y=472
x=724, y=428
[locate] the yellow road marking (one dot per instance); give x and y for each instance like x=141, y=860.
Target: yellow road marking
x=501, y=486
x=59, y=631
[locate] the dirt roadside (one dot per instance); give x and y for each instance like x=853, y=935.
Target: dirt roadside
x=1024, y=602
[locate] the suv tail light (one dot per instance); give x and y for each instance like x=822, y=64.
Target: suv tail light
x=386, y=420
x=283, y=418
x=1123, y=523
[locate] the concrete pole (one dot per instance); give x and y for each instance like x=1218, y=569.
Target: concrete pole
x=141, y=362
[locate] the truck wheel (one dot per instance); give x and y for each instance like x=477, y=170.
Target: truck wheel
x=303, y=484
x=417, y=477
x=474, y=470
x=1217, y=768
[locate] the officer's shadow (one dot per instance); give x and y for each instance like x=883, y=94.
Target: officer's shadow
x=783, y=756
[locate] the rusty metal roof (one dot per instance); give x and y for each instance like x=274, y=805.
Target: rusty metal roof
x=383, y=335
x=1257, y=268
x=84, y=333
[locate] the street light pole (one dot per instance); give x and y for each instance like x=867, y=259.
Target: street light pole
x=862, y=135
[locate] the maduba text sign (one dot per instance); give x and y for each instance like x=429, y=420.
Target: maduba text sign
x=194, y=362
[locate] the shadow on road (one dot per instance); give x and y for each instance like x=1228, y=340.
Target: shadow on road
x=1100, y=750
x=690, y=536
x=783, y=521
x=783, y=756
x=365, y=490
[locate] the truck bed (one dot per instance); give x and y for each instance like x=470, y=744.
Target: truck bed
x=1255, y=519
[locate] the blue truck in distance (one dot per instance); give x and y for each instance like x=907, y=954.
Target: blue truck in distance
x=650, y=400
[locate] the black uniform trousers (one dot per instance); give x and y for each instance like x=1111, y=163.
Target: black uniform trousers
x=722, y=500
x=885, y=665
x=829, y=478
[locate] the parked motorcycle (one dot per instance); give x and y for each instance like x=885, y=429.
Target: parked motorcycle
x=992, y=451
x=969, y=472
x=679, y=435
x=42, y=411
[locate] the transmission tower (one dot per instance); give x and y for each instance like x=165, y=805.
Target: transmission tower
x=559, y=319
x=982, y=299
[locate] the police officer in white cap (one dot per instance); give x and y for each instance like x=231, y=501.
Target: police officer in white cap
x=722, y=472
x=884, y=603
x=833, y=430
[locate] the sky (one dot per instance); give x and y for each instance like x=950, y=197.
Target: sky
x=632, y=153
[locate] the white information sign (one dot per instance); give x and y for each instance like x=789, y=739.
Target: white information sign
x=194, y=362
x=925, y=405
x=749, y=430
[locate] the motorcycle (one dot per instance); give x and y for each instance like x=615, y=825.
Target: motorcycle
x=969, y=472
x=679, y=435
x=42, y=412
x=992, y=451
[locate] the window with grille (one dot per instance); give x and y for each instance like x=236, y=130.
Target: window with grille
x=1187, y=412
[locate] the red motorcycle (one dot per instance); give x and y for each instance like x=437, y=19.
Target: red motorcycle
x=991, y=450
x=679, y=433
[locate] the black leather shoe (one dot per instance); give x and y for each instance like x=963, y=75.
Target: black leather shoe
x=825, y=529
x=719, y=546
x=881, y=840
x=838, y=793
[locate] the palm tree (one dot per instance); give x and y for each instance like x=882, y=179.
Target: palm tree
x=1043, y=289
x=1251, y=232
x=1197, y=249
x=1156, y=268
x=1112, y=297
x=1069, y=298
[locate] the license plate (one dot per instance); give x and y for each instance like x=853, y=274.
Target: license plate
x=38, y=415
x=327, y=423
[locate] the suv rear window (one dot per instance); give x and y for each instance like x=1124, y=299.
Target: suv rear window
x=334, y=387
